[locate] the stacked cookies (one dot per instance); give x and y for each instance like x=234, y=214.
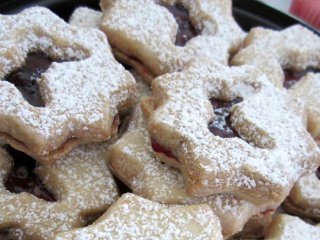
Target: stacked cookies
x=209, y=128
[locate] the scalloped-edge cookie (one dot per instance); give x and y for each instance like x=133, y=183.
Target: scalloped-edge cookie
x=304, y=198
x=307, y=89
x=259, y=163
x=150, y=37
x=81, y=184
x=131, y=160
x=295, y=48
x=83, y=90
x=286, y=227
x=133, y=217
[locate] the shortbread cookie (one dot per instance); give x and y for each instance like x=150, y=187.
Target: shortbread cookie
x=294, y=49
x=60, y=85
x=304, y=198
x=85, y=17
x=156, y=37
x=133, y=217
x=80, y=185
x=222, y=148
x=308, y=90
x=286, y=227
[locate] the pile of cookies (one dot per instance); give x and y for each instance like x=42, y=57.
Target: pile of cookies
x=157, y=119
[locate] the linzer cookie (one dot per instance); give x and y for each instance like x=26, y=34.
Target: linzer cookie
x=131, y=160
x=133, y=217
x=215, y=123
x=156, y=37
x=286, y=227
x=279, y=53
x=304, y=198
x=60, y=197
x=60, y=85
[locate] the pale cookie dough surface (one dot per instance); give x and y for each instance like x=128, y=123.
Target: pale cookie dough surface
x=263, y=170
x=308, y=90
x=85, y=17
x=295, y=48
x=81, y=184
x=82, y=96
x=133, y=217
x=145, y=30
x=286, y=227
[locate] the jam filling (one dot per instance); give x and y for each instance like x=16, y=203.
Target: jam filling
x=291, y=78
x=22, y=177
x=160, y=149
x=26, y=78
x=221, y=124
x=186, y=30
x=318, y=173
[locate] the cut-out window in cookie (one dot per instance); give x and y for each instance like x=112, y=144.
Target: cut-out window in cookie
x=221, y=125
x=22, y=177
x=78, y=193
x=273, y=149
x=186, y=30
x=163, y=36
x=71, y=71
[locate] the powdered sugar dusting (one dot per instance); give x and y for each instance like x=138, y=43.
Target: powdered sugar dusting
x=140, y=26
x=275, y=157
x=84, y=93
x=133, y=217
x=295, y=48
x=287, y=227
x=85, y=17
x=81, y=183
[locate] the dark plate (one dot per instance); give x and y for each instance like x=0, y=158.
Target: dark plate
x=248, y=13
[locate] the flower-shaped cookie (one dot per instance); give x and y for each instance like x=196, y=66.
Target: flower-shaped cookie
x=131, y=160
x=133, y=217
x=82, y=91
x=286, y=227
x=295, y=49
x=80, y=182
x=269, y=148
x=156, y=37
x=304, y=198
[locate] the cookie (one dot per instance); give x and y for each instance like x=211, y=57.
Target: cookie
x=307, y=90
x=61, y=85
x=156, y=37
x=77, y=187
x=133, y=217
x=294, y=49
x=286, y=227
x=304, y=198
x=226, y=145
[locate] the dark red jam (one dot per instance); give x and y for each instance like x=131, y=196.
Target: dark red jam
x=160, y=149
x=186, y=30
x=318, y=173
x=291, y=78
x=221, y=124
x=22, y=177
x=26, y=78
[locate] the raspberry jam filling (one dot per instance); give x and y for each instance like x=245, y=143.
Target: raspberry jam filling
x=291, y=78
x=22, y=177
x=26, y=78
x=221, y=124
x=160, y=149
x=186, y=30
